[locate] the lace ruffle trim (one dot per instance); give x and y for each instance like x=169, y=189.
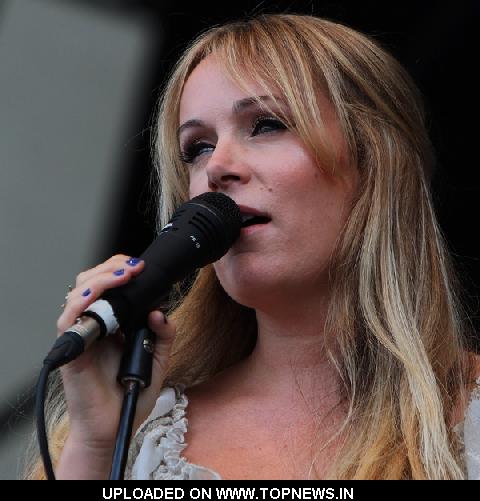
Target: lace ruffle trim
x=155, y=452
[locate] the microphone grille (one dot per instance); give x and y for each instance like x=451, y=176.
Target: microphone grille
x=226, y=209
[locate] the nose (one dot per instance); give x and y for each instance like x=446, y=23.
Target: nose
x=228, y=165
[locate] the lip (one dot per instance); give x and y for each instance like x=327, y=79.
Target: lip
x=247, y=230
x=246, y=209
x=252, y=210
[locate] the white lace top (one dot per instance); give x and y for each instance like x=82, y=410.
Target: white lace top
x=155, y=452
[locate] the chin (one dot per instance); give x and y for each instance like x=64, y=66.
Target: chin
x=253, y=291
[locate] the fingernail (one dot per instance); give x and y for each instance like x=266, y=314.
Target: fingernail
x=119, y=272
x=133, y=261
x=86, y=293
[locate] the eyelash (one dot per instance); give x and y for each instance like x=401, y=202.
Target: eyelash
x=194, y=149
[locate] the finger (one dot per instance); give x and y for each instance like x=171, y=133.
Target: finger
x=114, y=263
x=82, y=297
x=163, y=327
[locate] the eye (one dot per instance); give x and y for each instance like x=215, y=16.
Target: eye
x=264, y=125
x=192, y=150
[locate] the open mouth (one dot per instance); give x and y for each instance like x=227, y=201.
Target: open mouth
x=251, y=219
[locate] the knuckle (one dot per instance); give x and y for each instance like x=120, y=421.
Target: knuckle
x=118, y=257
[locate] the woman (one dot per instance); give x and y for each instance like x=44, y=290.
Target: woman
x=328, y=342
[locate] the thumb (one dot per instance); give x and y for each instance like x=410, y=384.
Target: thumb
x=165, y=331
x=163, y=328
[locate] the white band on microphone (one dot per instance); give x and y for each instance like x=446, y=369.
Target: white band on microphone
x=103, y=309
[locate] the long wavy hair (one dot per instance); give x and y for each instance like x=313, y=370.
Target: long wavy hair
x=396, y=327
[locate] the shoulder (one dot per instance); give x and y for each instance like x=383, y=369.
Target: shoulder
x=474, y=389
x=476, y=368
x=472, y=385
x=468, y=428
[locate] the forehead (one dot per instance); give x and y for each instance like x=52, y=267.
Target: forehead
x=210, y=88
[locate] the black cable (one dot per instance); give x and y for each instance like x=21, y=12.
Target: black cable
x=127, y=416
x=40, y=395
x=66, y=348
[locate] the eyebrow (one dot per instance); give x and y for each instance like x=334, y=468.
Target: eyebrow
x=237, y=108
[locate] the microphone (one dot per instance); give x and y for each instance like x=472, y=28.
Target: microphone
x=200, y=232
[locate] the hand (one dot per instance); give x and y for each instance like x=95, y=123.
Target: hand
x=94, y=397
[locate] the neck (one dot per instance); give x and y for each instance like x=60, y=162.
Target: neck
x=289, y=359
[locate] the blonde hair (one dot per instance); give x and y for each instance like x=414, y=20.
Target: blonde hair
x=394, y=317
x=394, y=313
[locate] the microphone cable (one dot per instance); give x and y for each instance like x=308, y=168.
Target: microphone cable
x=66, y=348
x=40, y=395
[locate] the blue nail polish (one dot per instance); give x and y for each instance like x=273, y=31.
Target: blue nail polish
x=86, y=293
x=119, y=273
x=133, y=261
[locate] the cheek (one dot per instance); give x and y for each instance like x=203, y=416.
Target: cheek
x=197, y=185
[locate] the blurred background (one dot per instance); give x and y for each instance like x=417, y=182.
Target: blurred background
x=79, y=80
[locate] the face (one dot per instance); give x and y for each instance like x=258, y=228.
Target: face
x=233, y=145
